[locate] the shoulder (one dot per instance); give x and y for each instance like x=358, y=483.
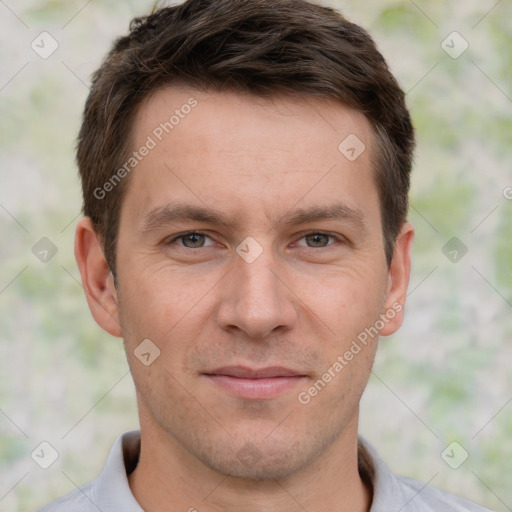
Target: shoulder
x=110, y=491
x=79, y=500
x=426, y=498
x=396, y=492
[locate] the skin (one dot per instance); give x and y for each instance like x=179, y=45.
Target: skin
x=299, y=304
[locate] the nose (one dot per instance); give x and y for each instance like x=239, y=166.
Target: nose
x=256, y=298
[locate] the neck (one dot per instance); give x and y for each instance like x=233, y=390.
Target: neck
x=168, y=477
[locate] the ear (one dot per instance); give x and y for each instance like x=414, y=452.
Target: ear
x=97, y=280
x=398, y=280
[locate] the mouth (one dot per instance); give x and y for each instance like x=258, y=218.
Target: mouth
x=256, y=384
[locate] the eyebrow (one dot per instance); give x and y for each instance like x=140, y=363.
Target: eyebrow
x=176, y=212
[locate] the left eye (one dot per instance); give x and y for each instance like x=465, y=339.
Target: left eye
x=317, y=239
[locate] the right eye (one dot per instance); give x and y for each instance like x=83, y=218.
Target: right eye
x=190, y=240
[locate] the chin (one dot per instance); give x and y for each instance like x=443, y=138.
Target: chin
x=261, y=459
x=265, y=469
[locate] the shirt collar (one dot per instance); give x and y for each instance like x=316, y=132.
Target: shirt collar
x=113, y=491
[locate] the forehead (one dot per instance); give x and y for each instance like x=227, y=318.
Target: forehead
x=175, y=109
x=232, y=150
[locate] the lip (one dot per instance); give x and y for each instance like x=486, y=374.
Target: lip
x=256, y=384
x=244, y=372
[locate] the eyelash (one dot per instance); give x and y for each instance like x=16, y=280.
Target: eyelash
x=304, y=235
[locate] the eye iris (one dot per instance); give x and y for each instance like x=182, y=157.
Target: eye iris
x=318, y=239
x=196, y=239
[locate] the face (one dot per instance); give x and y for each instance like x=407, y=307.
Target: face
x=249, y=242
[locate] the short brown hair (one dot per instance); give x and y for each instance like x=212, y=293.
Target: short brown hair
x=264, y=47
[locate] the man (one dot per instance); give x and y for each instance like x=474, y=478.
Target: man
x=245, y=168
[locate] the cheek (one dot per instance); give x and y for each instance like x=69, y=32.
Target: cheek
x=349, y=300
x=158, y=290
x=159, y=303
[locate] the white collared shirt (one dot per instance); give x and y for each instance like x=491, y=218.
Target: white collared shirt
x=110, y=492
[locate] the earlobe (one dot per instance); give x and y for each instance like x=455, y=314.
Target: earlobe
x=97, y=280
x=398, y=280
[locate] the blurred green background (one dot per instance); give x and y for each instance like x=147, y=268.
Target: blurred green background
x=444, y=377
